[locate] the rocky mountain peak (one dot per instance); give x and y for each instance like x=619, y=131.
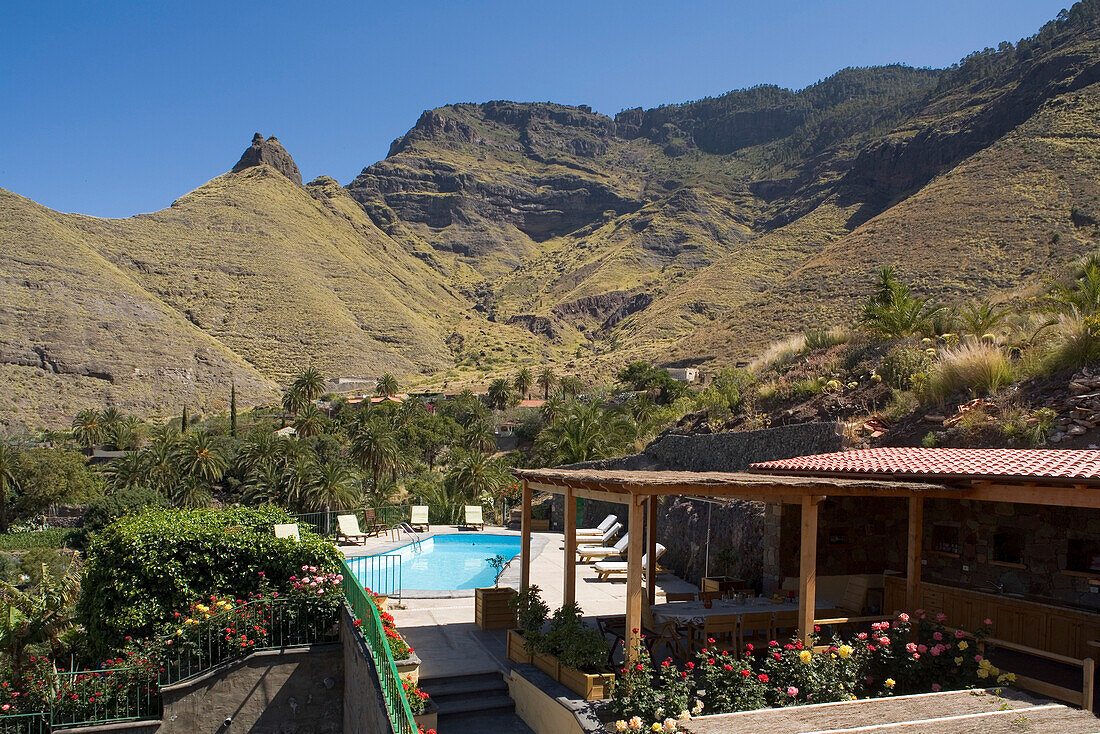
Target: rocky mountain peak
x=271, y=152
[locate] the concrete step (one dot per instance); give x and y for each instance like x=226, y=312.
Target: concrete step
x=504, y=722
x=476, y=704
x=463, y=686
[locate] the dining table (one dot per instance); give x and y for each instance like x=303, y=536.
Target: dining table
x=694, y=613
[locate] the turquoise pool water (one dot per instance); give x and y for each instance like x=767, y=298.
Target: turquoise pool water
x=440, y=563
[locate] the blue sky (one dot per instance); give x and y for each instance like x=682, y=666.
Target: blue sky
x=115, y=108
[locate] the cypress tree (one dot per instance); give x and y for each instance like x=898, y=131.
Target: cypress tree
x=233, y=410
x=183, y=420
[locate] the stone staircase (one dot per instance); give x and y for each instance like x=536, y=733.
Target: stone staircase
x=474, y=703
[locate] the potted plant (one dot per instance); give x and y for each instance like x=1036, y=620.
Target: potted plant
x=540, y=518
x=404, y=657
x=491, y=608
x=725, y=558
x=581, y=653
x=531, y=612
x=424, y=710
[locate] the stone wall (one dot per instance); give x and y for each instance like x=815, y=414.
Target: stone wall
x=868, y=535
x=740, y=539
x=296, y=691
x=364, y=708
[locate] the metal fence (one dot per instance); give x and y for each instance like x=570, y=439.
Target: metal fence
x=266, y=624
x=370, y=627
x=25, y=723
x=324, y=523
x=104, y=696
x=380, y=574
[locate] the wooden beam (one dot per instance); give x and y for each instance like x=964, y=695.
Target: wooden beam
x=620, y=498
x=525, y=539
x=914, y=553
x=635, y=549
x=807, y=569
x=569, y=590
x=651, y=549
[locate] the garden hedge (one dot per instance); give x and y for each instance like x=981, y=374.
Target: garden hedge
x=143, y=567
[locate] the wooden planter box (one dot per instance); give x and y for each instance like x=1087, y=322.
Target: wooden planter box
x=517, y=648
x=540, y=524
x=722, y=583
x=547, y=664
x=491, y=608
x=381, y=602
x=430, y=718
x=590, y=686
x=409, y=668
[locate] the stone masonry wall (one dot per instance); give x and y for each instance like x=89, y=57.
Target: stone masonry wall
x=291, y=692
x=364, y=709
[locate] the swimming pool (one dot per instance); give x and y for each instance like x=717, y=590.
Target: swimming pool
x=439, y=563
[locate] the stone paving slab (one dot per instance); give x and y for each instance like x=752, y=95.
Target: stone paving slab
x=956, y=712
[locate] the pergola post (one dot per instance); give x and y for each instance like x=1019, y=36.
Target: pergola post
x=525, y=539
x=807, y=570
x=569, y=589
x=651, y=548
x=914, y=553
x=635, y=549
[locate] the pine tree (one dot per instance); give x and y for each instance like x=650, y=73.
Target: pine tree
x=183, y=420
x=232, y=410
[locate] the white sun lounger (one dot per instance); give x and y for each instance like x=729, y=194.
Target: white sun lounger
x=607, y=569
x=594, y=552
x=419, y=518
x=604, y=538
x=348, y=529
x=287, y=530
x=598, y=531
x=474, y=518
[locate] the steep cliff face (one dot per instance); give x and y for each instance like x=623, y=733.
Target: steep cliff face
x=269, y=152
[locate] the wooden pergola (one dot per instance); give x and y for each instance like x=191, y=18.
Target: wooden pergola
x=640, y=491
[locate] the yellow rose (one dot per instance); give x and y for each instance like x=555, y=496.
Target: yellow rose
x=890, y=683
x=963, y=644
x=805, y=656
x=620, y=725
x=958, y=661
x=845, y=651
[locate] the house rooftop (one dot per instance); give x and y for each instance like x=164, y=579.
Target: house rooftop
x=1062, y=466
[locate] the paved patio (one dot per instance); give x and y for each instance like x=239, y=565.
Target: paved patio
x=442, y=630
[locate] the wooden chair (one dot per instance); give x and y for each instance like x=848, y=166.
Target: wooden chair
x=670, y=633
x=711, y=595
x=855, y=597
x=754, y=627
x=679, y=596
x=348, y=529
x=722, y=628
x=614, y=625
x=419, y=519
x=287, y=530
x=371, y=526
x=784, y=624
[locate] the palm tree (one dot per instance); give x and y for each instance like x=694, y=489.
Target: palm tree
x=294, y=400
x=374, y=447
x=572, y=385
x=523, y=382
x=128, y=471
x=8, y=458
x=584, y=432
x=499, y=393
x=199, y=455
x=386, y=386
x=475, y=476
x=37, y=616
x=546, y=380
x=894, y=312
x=479, y=437
x=1082, y=294
x=980, y=318
x=335, y=486
x=88, y=429
x=309, y=383
x=310, y=421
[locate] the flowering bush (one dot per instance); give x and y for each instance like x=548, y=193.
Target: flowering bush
x=418, y=699
x=886, y=661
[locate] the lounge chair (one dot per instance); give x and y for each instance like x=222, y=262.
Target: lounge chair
x=607, y=569
x=588, y=553
x=288, y=530
x=348, y=529
x=474, y=517
x=598, y=531
x=604, y=538
x=420, y=518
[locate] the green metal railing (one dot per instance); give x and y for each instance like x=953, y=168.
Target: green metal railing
x=104, y=696
x=324, y=523
x=25, y=723
x=381, y=574
x=266, y=624
x=370, y=627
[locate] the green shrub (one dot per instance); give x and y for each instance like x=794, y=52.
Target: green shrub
x=49, y=538
x=900, y=364
x=979, y=367
x=104, y=510
x=141, y=568
x=1076, y=343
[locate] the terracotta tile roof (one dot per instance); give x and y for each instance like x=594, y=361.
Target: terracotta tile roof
x=1063, y=465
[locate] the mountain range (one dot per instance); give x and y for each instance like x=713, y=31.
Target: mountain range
x=502, y=234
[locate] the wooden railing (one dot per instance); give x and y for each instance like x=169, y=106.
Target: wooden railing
x=1082, y=698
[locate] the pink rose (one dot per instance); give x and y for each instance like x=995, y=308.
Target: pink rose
x=937, y=687
x=940, y=617
x=903, y=617
x=792, y=691
x=987, y=621
x=937, y=636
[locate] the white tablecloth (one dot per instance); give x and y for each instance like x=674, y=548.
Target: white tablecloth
x=693, y=612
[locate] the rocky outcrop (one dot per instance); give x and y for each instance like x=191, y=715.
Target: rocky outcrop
x=269, y=152
x=538, y=325
x=607, y=308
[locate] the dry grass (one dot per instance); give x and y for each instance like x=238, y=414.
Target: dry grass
x=978, y=367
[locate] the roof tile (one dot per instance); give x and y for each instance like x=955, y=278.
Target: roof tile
x=1063, y=464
